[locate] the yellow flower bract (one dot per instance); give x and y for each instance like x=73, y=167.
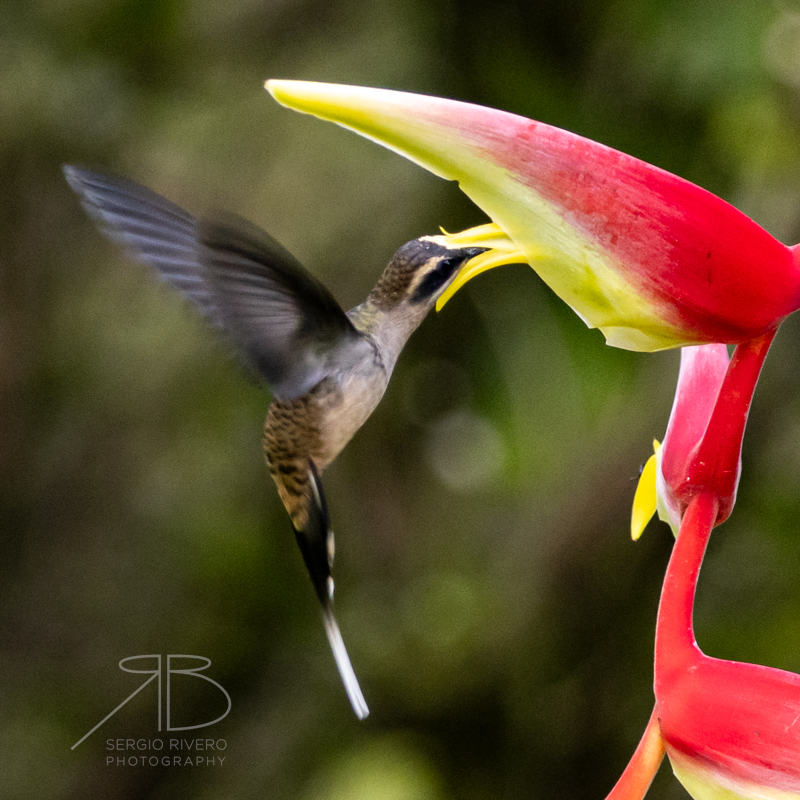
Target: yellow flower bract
x=646, y=499
x=501, y=250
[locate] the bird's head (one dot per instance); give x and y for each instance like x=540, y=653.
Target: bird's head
x=419, y=273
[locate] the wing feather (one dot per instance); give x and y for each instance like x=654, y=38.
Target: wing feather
x=289, y=323
x=151, y=228
x=283, y=320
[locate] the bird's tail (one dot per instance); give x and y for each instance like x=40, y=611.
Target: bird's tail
x=316, y=544
x=343, y=664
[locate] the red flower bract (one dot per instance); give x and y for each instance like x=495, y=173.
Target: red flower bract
x=724, y=724
x=651, y=259
x=675, y=241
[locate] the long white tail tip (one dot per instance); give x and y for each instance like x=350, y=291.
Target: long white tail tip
x=343, y=664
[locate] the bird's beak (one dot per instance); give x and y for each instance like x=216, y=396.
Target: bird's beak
x=487, y=247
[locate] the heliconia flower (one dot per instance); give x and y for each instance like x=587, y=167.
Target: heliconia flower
x=702, y=446
x=655, y=262
x=702, y=371
x=730, y=730
x=652, y=260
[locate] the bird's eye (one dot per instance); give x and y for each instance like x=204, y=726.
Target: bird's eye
x=437, y=277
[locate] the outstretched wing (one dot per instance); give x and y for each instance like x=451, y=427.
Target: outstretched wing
x=290, y=325
x=150, y=228
x=284, y=321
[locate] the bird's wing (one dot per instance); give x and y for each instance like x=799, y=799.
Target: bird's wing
x=286, y=324
x=151, y=228
x=290, y=325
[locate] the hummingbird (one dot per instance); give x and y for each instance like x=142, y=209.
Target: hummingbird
x=327, y=370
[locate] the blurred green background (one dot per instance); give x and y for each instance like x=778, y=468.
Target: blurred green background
x=496, y=611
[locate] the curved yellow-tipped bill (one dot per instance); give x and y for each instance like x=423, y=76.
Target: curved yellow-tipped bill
x=501, y=250
x=646, y=498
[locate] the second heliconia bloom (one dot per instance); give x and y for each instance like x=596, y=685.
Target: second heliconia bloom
x=652, y=260
x=731, y=730
x=702, y=372
x=702, y=447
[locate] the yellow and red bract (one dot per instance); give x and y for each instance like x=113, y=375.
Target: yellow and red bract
x=651, y=259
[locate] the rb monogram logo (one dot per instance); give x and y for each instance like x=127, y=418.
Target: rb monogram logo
x=157, y=673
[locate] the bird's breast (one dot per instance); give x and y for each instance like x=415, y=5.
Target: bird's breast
x=360, y=391
x=321, y=422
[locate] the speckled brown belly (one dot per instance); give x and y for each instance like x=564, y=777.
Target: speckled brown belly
x=292, y=436
x=316, y=426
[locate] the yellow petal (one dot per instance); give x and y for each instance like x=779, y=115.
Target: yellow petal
x=501, y=250
x=645, y=499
